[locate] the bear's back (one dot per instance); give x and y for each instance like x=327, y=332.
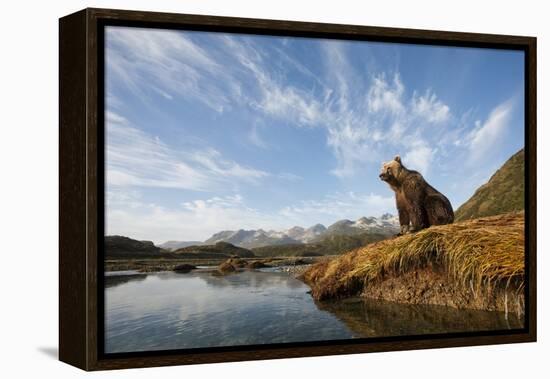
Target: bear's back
x=413, y=176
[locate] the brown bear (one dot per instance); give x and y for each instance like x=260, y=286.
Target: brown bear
x=419, y=204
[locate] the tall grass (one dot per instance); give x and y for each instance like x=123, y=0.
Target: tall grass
x=476, y=254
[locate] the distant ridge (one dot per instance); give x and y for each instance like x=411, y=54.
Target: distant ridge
x=124, y=247
x=174, y=245
x=224, y=249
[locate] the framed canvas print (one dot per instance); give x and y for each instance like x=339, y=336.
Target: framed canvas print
x=237, y=189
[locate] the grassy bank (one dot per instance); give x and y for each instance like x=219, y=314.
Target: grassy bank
x=471, y=264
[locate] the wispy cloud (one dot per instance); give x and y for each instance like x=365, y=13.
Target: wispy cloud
x=484, y=136
x=362, y=118
x=430, y=108
x=363, y=113
x=385, y=95
x=135, y=158
x=255, y=138
x=420, y=157
x=392, y=121
x=177, y=65
x=270, y=94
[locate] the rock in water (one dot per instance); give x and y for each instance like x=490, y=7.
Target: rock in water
x=255, y=265
x=184, y=268
x=231, y=265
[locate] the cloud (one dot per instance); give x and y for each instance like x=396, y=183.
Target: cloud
x=291, y=103
x=167, y=96
x=338, y=75
x=430, y=108
x=271, y=94
x=386, y=96
x=338, y=206
x=135, y=158
x=390, y=122
x=350, y=145
x=419, y=158
x=365, y=112
x=363, y=115
x=255, y=138
x=130, y=215
x=484, y=136
x=113, y=118
x=365, y=119
x=170, y=59
x=362, y=119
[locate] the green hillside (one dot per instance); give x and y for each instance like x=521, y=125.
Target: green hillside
x=503, y=193
x=224, y=249
x=330, y=245
x=124, y=247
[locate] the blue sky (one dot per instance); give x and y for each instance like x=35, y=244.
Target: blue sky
x=208, y=132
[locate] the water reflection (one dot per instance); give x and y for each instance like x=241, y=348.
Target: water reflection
x=176, y=311
x=116, y=280
x=375, y=318
x=253, y=279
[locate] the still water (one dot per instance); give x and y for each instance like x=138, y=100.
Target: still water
x=164, y=311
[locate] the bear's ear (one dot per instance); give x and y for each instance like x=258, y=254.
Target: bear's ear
x=397, y=158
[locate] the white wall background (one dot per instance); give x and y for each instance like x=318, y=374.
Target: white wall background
x=28, y=198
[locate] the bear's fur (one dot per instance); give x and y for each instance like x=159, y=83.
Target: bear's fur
x=419, y=204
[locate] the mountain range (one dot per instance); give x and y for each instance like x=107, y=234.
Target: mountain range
x=223, y=249
x=386, y=224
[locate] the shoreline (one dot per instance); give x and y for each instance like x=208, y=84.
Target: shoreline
x=294, y=265
x=432, y=286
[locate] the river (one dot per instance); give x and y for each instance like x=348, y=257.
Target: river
x=166, y=310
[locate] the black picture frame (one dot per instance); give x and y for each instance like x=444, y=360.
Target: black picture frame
x=81, y=184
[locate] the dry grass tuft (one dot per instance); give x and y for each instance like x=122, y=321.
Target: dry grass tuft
x=476, y=254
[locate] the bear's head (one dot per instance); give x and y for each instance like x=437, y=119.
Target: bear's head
x=391, y=171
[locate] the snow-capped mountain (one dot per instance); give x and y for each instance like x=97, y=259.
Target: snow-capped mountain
x=382, y=225
x=251, y=238
x=386, y=224
x=306, y=235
